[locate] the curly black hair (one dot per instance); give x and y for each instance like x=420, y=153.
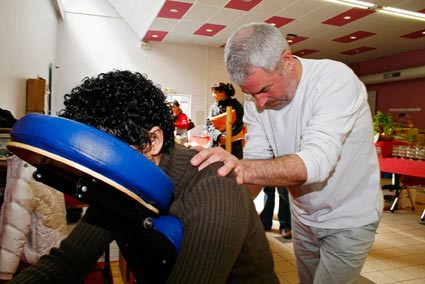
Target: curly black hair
x=124, y=104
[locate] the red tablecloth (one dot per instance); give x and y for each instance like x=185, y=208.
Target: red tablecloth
x=403, y=166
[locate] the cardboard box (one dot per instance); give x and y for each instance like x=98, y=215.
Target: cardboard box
x=36, y=95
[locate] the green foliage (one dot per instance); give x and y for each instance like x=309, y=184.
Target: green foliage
x=383, y=123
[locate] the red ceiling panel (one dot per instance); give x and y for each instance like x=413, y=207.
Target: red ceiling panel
x=357, y=50
x=414, y=35
x=353, y=36
x=348, y=16
x=304, y=52
x=155, y=35
x=174, y=9
x=410, y=36
x=209, y=29
x=242, y=4
x=278, y=21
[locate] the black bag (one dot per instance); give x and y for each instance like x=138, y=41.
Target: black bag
x=191, y=125
x=7, y=120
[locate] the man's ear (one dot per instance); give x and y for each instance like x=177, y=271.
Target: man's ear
x=157, y=140
x=287, y=57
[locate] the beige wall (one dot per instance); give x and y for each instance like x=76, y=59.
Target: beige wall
x=83, y=44
x=28, y=43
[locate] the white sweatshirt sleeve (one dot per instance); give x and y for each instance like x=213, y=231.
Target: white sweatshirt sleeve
x=335, y=107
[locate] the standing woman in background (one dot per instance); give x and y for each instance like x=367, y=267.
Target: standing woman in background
x=216, y=121
x=181, y=123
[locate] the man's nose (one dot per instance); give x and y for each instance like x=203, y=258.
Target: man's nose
x=260, y=100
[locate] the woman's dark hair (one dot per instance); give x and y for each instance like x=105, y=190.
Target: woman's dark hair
x=124, y=104
x=223, y=87
x=176, y=103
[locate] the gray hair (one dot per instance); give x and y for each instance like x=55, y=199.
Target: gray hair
x=253, y=45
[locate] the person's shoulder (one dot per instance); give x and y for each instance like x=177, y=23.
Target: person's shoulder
x=210, y=173
x=327, y=69
x=236, y=102
x=326, y=64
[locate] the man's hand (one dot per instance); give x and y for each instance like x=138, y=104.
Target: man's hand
x=212, y=155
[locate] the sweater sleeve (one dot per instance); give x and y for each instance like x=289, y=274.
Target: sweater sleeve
x=257, y=144
x=213, y=132
x=72, y=261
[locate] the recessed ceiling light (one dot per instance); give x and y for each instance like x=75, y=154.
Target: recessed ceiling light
x=155, y=36
x=273, y=24
x=353, y=37
x=174, y=10
x=290, y=40
x=209, y=30
x=347, y=17
x=423, y=32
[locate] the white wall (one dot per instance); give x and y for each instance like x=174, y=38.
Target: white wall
x=91, y=40
x=28, y=42
x=90, y=44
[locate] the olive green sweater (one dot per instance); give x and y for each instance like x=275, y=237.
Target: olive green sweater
x=223, y=239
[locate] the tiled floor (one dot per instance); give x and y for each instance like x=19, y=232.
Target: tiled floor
x=397, y=256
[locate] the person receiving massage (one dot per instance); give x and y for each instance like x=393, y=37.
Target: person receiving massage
x=223, y=238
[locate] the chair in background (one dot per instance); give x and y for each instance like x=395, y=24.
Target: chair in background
x=417, y=183
x=405, y=182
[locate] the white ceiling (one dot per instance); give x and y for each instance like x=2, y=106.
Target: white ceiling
x=307, y=15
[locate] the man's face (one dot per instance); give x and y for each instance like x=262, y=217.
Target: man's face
x=271, y=90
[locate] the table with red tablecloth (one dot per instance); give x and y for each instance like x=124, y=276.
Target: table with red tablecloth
x=409, y=170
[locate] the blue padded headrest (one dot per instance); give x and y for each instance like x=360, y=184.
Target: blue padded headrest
x=171, y=227
x=94, y=152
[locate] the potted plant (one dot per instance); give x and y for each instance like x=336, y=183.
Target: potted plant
x=383, y=124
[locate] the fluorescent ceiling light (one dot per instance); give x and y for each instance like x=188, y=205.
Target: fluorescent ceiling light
x=402, y=13
x=354, y=3
x=383, y=9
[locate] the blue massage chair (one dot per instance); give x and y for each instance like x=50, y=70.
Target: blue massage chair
x=102, y=171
